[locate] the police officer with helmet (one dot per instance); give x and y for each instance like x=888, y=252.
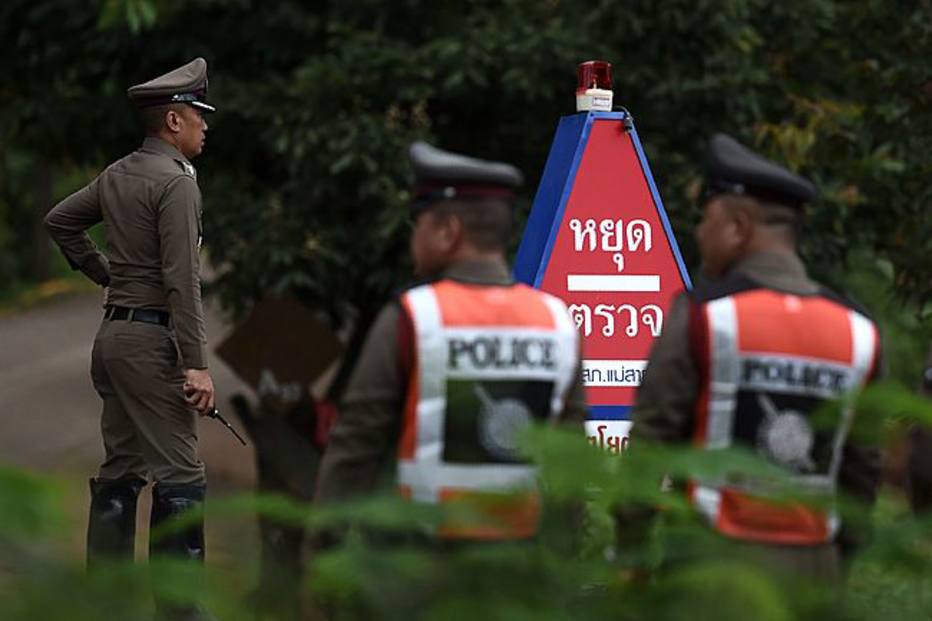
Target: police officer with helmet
x=455, y=367
x=746, y=359
x=149, y=362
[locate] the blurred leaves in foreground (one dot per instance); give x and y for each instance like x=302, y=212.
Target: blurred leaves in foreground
x=381, y=562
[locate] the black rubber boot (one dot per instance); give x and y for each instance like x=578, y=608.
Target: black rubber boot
x=111, y=529
x=170, y=501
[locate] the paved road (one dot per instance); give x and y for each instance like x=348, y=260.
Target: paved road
x=49, y=412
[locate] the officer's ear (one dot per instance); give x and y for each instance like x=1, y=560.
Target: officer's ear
x=740, y=212
x=454, y=230
x=744, y=222
x=447, y=225
x=173, y=119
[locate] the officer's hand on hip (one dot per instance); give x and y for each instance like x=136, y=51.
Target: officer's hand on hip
x=199, y=390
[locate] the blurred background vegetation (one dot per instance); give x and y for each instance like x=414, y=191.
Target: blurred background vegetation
x=304, y=178
x=306, y=187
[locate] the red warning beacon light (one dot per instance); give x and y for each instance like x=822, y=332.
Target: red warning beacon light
x=594, y=86
x=598, y=238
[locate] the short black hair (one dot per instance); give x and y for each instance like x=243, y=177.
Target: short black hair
x=787, y=218
x=153, y=117
x=778, y=214
x=487, y=222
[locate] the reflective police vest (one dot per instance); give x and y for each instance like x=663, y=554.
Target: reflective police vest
x=488, y=360
x=768, y=360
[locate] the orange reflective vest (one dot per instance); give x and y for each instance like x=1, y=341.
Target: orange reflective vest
x=768, y=360
x=488, y=360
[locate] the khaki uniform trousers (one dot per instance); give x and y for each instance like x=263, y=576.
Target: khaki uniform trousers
x=147, y=427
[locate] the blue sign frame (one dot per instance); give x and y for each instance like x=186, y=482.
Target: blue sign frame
x=555, y=187
x=549, y=205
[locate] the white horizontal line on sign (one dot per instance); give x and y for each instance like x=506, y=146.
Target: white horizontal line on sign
x=613, y=373
x=599, y=282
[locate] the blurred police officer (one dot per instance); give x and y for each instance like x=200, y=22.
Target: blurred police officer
x=746, y=358
x=149, y=362
x=456, y=367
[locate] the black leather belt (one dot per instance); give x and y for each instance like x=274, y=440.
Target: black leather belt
x=145, y=315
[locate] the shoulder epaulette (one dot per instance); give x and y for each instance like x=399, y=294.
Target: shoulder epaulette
x=188, y=168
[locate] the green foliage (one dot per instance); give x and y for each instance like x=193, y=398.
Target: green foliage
x=137, y=14
x=732, y=590
x=905, y=329
x=306, y=190
x=304, y=177
x=385, y=566
x=305, y=181
x=17, y=205
x=30, y=504
x=13, y=174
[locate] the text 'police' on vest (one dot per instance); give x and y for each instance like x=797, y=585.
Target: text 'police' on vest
x=496, y=352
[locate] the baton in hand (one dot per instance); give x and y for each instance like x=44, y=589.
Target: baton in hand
x=215, y=413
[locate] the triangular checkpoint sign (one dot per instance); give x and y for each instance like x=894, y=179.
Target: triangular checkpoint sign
x=599, y=238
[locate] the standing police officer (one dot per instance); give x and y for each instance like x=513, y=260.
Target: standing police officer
x=455, y=368
x=747, y=358
x=149, y=362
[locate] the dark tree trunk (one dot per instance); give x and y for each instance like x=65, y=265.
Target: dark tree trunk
x=357, y=339
x=40, y=260
x=286, y=462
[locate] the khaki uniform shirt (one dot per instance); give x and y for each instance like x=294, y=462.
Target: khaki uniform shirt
x=363, y=440
x=666, y=401
x=150, y=204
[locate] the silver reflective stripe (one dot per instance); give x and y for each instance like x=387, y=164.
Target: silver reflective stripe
x=863, y=351
x=431, y=350
x=426, y=480
x=724, y=372
x=426, y=474
x=567, y=355
x=707, y=500
x=818, y=483
x=864, y=347
x=725, y=378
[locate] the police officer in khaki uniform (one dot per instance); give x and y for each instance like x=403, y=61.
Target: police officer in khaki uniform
x=149, y=361
x=747, y=357
x=444, y=380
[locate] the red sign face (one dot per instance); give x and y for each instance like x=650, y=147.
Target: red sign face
x=610, y=255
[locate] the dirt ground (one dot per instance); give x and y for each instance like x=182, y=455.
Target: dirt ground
x=50, y=418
